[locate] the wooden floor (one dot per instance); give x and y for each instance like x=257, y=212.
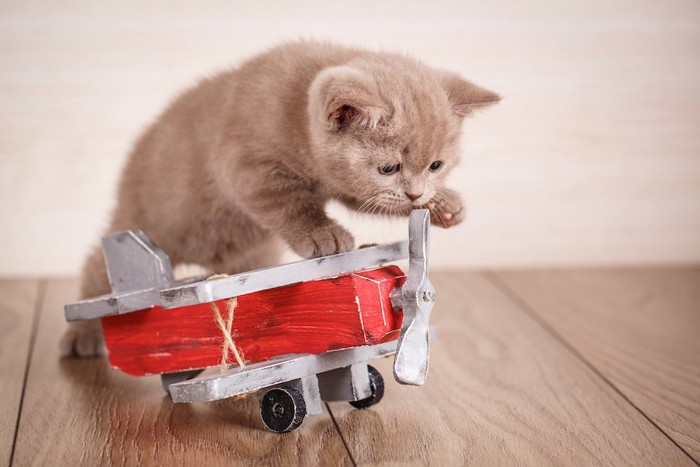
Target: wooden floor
x=574, y=367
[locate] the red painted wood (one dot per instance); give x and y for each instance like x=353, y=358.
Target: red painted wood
x=310, y=317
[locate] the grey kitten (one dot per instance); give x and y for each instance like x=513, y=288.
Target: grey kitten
x=252, y=155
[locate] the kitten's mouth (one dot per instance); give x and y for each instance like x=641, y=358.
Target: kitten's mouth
x=417, y=204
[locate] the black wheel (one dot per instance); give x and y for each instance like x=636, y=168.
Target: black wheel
x=282, y=409
x=376, y=385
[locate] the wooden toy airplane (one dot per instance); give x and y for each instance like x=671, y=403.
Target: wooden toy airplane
x=301, y=333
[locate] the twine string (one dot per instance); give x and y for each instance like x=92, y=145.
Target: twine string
x=226, y=326
x=226, y=331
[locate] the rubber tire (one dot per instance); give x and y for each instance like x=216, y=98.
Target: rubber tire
x=376, y=385
x=282, y=409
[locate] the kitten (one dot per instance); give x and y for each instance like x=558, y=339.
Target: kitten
x=250, y=157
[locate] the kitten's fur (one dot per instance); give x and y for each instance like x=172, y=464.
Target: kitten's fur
x=252, y=155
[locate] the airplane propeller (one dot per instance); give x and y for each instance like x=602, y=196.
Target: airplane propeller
x=417, y=300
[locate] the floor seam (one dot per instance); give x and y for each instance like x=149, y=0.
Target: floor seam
x=342, y=438
x=521, y=303
x=38, y=305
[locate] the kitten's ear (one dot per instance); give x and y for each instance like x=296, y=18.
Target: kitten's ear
x=466, y=97
x=343, y=97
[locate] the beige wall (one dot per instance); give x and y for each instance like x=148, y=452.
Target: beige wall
x=593, y=157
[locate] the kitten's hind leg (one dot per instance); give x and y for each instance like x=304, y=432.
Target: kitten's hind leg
x=84, y=338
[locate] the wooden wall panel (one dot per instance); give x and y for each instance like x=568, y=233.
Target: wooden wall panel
x=593, y=157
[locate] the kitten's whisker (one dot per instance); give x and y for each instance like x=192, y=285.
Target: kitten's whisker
x=367, y=206
x=378, y=210
x=440, y=212
x=362, y=206
x=369, y=202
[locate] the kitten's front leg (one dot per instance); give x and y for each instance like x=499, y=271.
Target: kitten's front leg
x=446, y=208
x=288, y=205
x=311, y=238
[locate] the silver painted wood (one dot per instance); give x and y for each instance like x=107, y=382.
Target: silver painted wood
x=276, y=371
x=113, y=304
x=312, y=394
x=137, y=270
x=116, y=304
x=292, y=273
x=190, y=292
x=135, y=263
x=166, y=379
x=350, y=383
x=359, y=382
x=417, y=300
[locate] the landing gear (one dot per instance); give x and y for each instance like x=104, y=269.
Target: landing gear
x=376, y=384
x=282, y=409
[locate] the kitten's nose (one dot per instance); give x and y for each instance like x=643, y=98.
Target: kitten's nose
x=413, y=197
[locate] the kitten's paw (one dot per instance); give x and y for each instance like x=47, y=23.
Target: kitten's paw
x=446, y=209
x=326, y=240
x=82, y=340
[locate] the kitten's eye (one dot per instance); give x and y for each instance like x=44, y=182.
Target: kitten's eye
x=389, y=169
x=435, y=166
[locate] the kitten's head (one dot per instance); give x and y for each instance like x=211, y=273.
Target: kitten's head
x=385, y=129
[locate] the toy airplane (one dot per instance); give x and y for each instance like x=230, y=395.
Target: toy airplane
x=302, y=333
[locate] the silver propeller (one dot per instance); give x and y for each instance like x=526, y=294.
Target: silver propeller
x=417, y=299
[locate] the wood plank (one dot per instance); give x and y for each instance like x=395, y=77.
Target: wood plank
x=82, y=412
x=639, y=328
x=17, y=302
x=500, y=390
